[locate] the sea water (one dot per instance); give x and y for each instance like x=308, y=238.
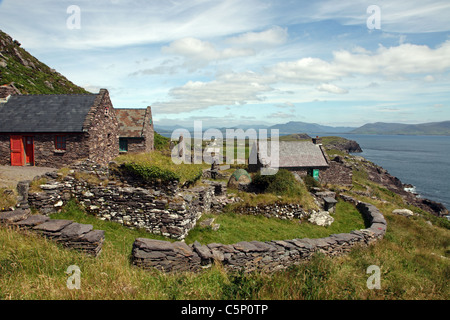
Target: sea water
x=422, y=161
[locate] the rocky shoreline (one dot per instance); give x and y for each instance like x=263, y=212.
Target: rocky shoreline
x=381, y=176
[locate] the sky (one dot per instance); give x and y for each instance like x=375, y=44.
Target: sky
x=229, y=62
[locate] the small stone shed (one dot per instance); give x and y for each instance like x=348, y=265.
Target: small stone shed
x=57, y=130
x=302, y=157
x=136, y=131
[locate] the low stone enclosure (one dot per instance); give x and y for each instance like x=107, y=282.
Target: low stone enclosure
x=69, y=234
x=267, y=256
x=172, y=212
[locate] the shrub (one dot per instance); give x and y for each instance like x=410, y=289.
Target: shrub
x=283, y=183
x=161, y=142
x=310, y=182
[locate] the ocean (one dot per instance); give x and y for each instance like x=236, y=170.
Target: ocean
x=422, y=161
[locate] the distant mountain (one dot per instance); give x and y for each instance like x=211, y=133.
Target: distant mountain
x=28, y=74
x=309, y=128
x=432, y=128
x=284, y=129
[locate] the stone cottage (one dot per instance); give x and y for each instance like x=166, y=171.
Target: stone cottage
x=136, y=132
x=302, y=157
x=57, y=130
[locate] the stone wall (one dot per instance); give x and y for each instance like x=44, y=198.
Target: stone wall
x=148, y=131
x=338, y=173
x=151, y=209
x=255, y=255
x=103, y=130
x=276, y=210
x=5, y=150
x=69, y=234
x=45, y=154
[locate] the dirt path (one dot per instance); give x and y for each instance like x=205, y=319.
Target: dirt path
x=10, y=176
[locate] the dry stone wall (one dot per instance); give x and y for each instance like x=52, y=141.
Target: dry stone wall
x=255, y=255
x=158, y=212
x=69, y=234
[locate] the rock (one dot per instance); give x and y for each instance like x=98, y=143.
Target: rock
x=207, y=223
x=13, y=216
x=58, y=204
x=403, y=212
x=49, y=186
x=321, y=218
x=238, y=177
x=203, y=251
x=32, y=221
x=53, y=225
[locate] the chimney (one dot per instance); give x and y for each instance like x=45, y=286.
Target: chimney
x=7, y=90
x=317, y=140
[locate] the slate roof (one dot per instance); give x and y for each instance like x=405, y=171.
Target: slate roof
x=45, y=113
x=296, y=154
x=131, y=122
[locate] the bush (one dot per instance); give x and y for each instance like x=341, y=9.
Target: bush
x=161, y=142
x=283, y=183
x=310, y=182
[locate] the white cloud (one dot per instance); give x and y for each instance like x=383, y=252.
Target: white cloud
x=272, y=37
x=199, y=53
x=196, y=95
x=331, y=88
x=281, y=115
x=306, y=70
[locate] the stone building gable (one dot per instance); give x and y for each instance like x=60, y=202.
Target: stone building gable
x=136, y=129
x=102, y=130
x=148, y=130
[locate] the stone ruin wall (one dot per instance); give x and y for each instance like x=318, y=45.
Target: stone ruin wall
x=255, y=255
x=156, y=211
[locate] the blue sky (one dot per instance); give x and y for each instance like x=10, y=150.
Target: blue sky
x=230, y=62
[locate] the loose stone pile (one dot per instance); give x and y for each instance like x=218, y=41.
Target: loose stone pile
x=70, y=234
x=255, y=255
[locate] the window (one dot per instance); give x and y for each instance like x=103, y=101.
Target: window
x=60, y=142
x=123, y=145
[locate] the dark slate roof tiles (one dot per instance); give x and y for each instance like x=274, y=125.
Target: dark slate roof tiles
x=45, y=113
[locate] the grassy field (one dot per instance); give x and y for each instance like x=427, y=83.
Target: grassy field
x=413, y=259
x=235, y=227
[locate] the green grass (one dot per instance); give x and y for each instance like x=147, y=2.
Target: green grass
x=8, y=198
x=32, y=267
x=235, y=227
x=156, y=165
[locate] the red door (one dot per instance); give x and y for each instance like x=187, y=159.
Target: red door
x=29, y=150
x=17, y=158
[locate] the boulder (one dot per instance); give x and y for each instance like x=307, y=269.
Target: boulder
x=240, y=176
x=403, y=212
x=321, y=218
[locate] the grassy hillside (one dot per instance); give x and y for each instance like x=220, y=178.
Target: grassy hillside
x=413, y=258
x=28, y=74
x=432, y=128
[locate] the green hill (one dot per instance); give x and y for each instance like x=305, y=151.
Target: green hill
x=27, y=73
x=432, y=128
